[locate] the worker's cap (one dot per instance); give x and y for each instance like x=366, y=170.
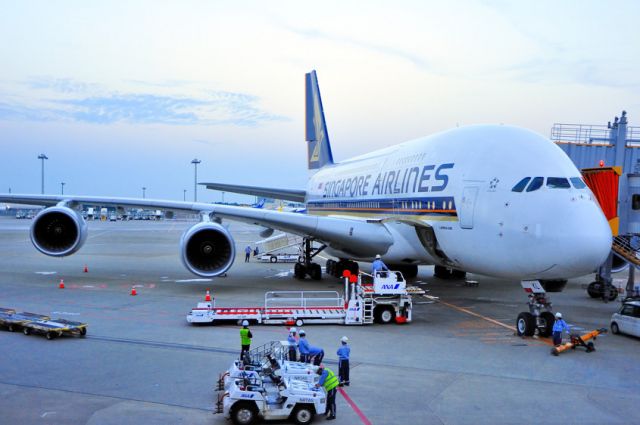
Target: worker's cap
x=344, y=339
x=378, y=256
x=302, y=332
x=293, y=330
x=558, y=315
x=245, y=323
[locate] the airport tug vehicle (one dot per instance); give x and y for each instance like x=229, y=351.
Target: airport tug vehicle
x=540, y=315
x=266, y=385
x=384, y=299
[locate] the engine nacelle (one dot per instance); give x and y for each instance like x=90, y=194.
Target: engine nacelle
x=207, y=249
x=58, y=231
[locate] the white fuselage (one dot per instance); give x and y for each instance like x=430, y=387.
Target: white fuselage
x=459, y=183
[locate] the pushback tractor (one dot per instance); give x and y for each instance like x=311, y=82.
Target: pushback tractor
x=265, y=385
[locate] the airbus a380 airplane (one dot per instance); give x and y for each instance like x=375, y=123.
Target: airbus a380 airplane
x=496, y=200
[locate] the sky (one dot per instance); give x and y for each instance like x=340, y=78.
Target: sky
x=122, y=95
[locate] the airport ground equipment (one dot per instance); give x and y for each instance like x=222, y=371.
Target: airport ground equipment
x=385, y=300
x=609, y=160
x=54, y=328
x=40, y=324
x=540, y=315
x=280, y=249
x=264, y=386
x=577, y=340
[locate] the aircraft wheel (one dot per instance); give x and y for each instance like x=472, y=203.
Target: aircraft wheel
x=525, y=324
x=299, y=271
x=594, y=290
x=273, y=259
x=613, y=293
x=26, y=331
x=315, y=271
x=546, y=320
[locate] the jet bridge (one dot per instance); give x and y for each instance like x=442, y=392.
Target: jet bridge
x=609, y=159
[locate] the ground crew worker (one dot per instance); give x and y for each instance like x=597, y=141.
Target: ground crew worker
x=378, y=265
x=343, y=361
x=558, y=326
x=247, y=254
x=245, y=338
x=293, y=343
x=303, y=346
x=329, y=381
x=317, y=354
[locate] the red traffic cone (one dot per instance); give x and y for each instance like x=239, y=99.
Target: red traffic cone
x=61, y=284
x=133, y=291
x=208, y=296
x=86, y=269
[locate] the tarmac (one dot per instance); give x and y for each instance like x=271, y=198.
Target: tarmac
x=458, y=362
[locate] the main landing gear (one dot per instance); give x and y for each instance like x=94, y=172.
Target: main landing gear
x=447, y=273
x=306, y=266
x=536, y=318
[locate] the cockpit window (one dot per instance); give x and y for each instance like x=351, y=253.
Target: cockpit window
x=577, y=183
x=519, y=187
x=558, y=183
x=535, y=184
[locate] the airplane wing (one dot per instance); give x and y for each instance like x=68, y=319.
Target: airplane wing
x=268, y=192
x=347, y=235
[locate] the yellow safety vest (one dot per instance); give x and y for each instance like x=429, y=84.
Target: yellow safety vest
x=331, y=382
x=244, y=337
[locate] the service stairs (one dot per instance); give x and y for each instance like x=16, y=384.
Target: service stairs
x=622, y=247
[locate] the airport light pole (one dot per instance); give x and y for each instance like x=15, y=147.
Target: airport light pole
x=42, y=157
x=184, y=194
x=144, y=189
x=195, y=163
x=62, y=188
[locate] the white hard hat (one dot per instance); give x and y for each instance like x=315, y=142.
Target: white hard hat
x=378, y=256
x=293, y=330
x=344, y=339
x=558, y=315
x=302, y=332
x=245, y=323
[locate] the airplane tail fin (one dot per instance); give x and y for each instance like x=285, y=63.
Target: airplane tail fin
x=319, y=149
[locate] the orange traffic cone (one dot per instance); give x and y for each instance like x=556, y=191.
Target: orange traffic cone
x=86, y=269
x=208, y=296
x=133, y=291
x=61, y=284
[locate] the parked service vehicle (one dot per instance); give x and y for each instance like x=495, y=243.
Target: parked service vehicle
x=627, y=319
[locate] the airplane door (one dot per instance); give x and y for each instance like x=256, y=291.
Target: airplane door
x=467, y=206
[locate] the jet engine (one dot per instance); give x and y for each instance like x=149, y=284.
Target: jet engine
x=58, y=231
x=207, y=249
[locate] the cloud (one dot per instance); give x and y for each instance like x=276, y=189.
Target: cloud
x=69, y=100
x=378, y=48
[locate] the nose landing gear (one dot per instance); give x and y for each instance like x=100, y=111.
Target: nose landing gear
x=540, y=315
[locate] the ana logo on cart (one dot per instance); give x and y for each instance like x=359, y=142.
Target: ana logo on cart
x=390, y=286
x=247, y=395
x=306, y=400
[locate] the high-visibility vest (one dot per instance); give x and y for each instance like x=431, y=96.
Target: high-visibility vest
x=331, y=382
x=244, y=337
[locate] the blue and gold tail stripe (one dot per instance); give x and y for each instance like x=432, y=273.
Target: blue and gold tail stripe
x=443, y=206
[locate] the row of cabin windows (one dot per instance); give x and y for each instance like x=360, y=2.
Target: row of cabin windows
x=536, y=183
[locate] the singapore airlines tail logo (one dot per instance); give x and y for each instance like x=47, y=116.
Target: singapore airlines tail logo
x=318, y=126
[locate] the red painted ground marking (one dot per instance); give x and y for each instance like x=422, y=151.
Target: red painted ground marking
x=355, y=408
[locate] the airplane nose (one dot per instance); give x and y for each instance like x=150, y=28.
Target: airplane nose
x=586, y=241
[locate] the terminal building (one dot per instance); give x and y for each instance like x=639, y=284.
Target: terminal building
x=609, y=159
